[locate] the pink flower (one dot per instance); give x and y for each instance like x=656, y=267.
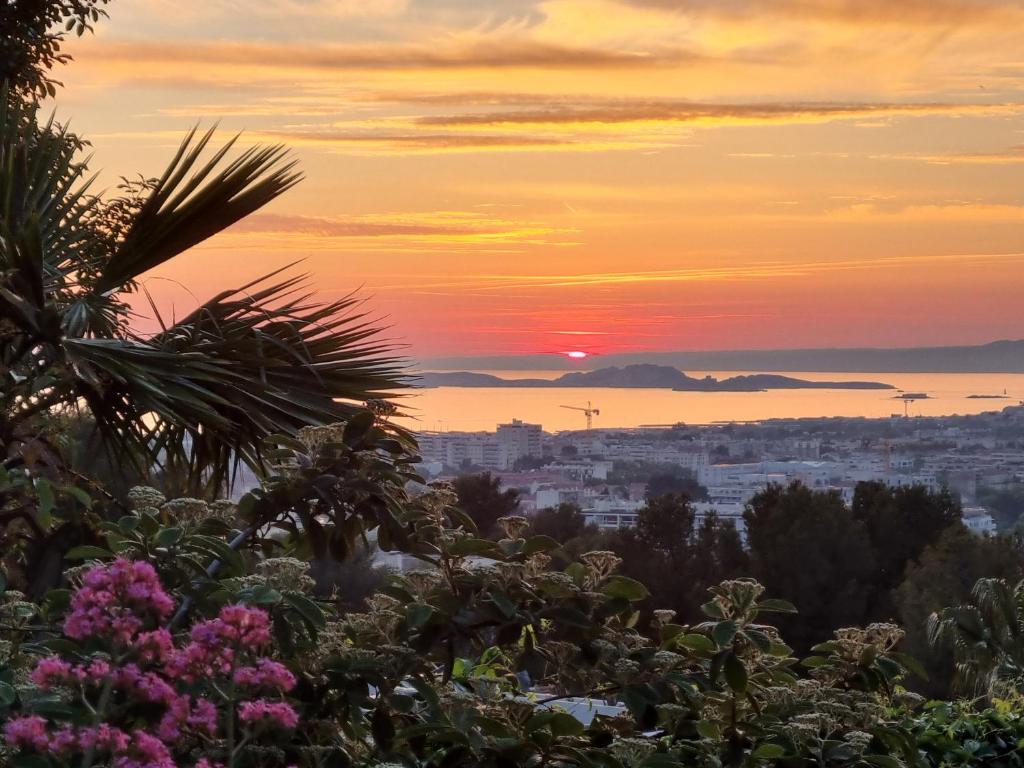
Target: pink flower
x=63, y=741
x=249, y=627
x=120, y=606
x=27, y=733
x=51, y=672
x=145, y=751
x=103, y=738
x=115, y=601
x=268, y=712
x=154, y=646
x=266, y=674
x=215, y=643
x=204, y=717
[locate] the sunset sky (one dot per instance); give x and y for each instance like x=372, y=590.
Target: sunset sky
x=512, y=176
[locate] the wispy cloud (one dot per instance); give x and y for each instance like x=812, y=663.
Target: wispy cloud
x=755, y=271
x=447, y=54
x=916, y=12
x=439, y=229
x=684, y=112
x=1011, y=156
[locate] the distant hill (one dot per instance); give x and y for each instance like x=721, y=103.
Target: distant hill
x=996, y=357
x=643, y=376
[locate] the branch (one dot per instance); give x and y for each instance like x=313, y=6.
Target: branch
x=235, y=544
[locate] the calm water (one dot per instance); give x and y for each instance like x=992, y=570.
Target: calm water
x=455, y=408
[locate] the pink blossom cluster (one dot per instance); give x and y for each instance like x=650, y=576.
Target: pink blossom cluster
x=116, y=602
x=215, y=644
x=138, y=750
x=263, y=712
x=267, y=674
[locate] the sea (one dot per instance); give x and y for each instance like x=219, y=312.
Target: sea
x=482, y=409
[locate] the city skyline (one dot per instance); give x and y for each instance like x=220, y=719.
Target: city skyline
x=600, y=176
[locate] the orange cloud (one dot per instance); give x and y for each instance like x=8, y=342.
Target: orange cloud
x=683, y=112
x=489, y=54
x=917, y=12
x=423, y=231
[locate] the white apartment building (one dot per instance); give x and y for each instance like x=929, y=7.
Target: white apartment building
x=490, y=450
x=979, y=521
x=582, y=470
x=518, y=440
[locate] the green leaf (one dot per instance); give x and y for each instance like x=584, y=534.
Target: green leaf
x=724, y=632
x=78, y=494
x=773, y=605
x=539, y=543
x=88, y=552
x=912, y=665
x=261, y=595
x=625, y=588
x=709, y=730
x=564, y=724
x=713, y=609
x=44, y=492
x=696, y=642
x=768, y=752
x=418, y=614
x=357, y=428
x=8, y=695
x=505, y=605
x=311, y=613
x=735, y=673
x=168, y=537
x=473, y=546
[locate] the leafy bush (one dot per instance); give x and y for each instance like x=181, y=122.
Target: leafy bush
x=482, y=656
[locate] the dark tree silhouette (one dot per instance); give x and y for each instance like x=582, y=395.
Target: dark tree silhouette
x=561, y=523
x=807, y=545
x=480, y=497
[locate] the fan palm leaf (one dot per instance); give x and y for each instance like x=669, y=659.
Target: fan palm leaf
x=203, y=393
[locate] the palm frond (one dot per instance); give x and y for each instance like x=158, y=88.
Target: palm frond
x=192, y=202
x=254, y=361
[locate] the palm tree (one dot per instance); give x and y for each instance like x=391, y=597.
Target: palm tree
x=200, y=396
x=986, y=636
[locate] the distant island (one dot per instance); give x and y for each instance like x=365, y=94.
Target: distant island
x=644, y=376
x=995, y=357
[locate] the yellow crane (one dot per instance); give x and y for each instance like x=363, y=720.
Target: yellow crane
x=590, y=411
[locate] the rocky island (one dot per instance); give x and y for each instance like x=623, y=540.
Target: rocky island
x=644, y=376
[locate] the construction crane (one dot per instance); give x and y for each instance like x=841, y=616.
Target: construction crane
x=590, y=411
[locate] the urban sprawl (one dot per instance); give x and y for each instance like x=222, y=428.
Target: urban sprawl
x=606, y=472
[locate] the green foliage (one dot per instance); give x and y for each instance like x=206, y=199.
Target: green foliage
x=986, y=636
x=954, y=734
x=900, y=523
x=944, y=576
x=485, y=655
x=480, y=496
x=1005, y=503
x=34, y=30
x=189, y=403
x=808, y=546
x=561, y=523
